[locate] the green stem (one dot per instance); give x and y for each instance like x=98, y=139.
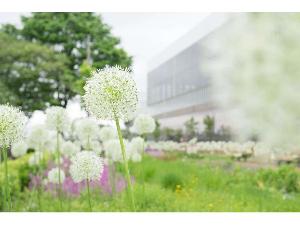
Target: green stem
x=58, y=165
x=143, y=170
x=39, y=198
x=4, y=190
x=89, y=194
x=7, y=189
x=88, y=144
x=40, y=174
x=112, y=176
x=125, y=163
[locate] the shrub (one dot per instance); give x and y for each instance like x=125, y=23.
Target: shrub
x=171, y=181
x=18, y=175
x=285, y=179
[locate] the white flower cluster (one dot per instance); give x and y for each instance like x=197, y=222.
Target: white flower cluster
x=111, y=92
x=213, y=147
x=69, y=148
x=19, y=149
x=57, y=119
x=53, y=176
x=143, y=124
x=137, y=145
x=113, y=150
x=165, y=145
x=220, y=147
x=39, y=138
x=107, y=133
x=86, y=165
x=51, y=144
x=12, y=123
x=87, y=129
x=134, y=149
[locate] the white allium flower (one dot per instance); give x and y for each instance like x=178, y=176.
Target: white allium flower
x=107, y=133
x=111, y=92
x=113, y=150
x=51, y=143
x=136, y=157
x=53, y=176
x=35, y=159
x=69, y=148
x=143, y=124
x=12, y=123
x=137, y=145
x=96, y=147
x=19, y=149
x=93, y=145
x=86, y=165
x=38, y=138
x=57, y=119
x=87, y=129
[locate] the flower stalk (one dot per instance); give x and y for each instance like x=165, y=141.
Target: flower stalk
x=125, y=163
x=58, y=165
x=7, y=197
x=89, y=194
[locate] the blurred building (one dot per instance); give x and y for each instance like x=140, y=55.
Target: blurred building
x=177, y=85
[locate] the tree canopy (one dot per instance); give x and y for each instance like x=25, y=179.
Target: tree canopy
x=66, y=46
x=81, y=36
x=31, y=75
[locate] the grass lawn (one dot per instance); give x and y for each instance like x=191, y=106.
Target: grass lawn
x=188, y=184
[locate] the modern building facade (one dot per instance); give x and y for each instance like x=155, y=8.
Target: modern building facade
x=177, y=85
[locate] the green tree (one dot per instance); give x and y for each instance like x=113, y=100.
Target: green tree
x=209, y=126
x=83, y=37
x=157, y=132
x=191, y=128
x=31, y=75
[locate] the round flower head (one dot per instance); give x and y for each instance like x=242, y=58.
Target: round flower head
x=107, y=133
x=50, y=145
x=111, y=92
x=86, y=165
x=113, y=150
x=38, y=138
x=19, y=149
x=87, y=129
x=69, y=148
x=12, y=123
x=137, y=145
x=53, y=176
x=35, y=159
x=57, y=119
x=136, y=157
x=144, y=124
x=92, y=145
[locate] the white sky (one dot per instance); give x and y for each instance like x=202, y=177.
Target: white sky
x=143, y=35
